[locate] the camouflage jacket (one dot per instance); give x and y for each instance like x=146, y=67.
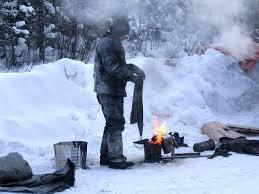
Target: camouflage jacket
x=111, y=72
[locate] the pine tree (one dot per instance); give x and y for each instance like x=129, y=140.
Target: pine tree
x=16, y=20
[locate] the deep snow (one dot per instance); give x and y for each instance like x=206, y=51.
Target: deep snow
x=55, y=102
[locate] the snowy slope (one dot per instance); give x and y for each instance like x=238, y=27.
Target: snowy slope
x=55, y=102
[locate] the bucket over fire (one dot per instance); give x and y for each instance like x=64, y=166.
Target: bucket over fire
x=152, y=152
x=76, y=151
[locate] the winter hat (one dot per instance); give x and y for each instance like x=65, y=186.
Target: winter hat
x=108, y=25
x=120, y=25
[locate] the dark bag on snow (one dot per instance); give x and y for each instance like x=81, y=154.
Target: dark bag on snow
x=47, y=183
x=14, y=168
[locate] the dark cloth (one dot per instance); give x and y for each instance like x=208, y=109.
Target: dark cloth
x=136, y=115
x=111, y=72
x=14, y=168
x=48, y=183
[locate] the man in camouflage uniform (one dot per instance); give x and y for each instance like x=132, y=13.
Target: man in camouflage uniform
x=111, y=74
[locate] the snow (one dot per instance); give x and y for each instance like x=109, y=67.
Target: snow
x=20, y=47
x=10, y=4
x=48, y=32
x=19, y=24
x=49, y=7
x=241, y=49
x=19, y=31
x=26, y=9
x=55, y=102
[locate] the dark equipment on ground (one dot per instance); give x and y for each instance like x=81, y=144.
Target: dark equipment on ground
x=169, y=143
x=178, y=141
x=247, y=130
x=239, y=145
x=152, y=152
x=204, y=146
x=220, y=152
x=47, y=183
x=183, y=156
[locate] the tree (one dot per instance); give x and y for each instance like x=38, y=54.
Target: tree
x=16, y=18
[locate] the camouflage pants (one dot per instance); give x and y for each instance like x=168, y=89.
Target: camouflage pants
x=112, y=145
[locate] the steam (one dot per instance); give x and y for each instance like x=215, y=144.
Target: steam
x=237, y=42
x=97, y=11
x=221, y=21
x=228, y=19
x=220, y=13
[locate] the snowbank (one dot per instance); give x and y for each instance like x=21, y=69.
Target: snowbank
x=55, y=102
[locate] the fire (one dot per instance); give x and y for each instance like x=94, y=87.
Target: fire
x=159, y=131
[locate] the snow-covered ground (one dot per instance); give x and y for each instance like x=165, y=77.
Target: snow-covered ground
x=55, y=102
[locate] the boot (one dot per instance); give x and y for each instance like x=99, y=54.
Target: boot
x=104, y=159
x=121, y=165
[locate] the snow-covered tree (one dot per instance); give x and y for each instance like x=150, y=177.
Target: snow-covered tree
x=34, y=31
x=16, y=24
x=157, y=22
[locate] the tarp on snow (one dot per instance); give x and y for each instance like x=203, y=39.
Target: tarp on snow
x=14, y=168
x=46, y=183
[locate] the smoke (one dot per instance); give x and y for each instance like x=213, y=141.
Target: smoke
x=237, y=42
x=97, y=11
x=220, y=13
x=229, y=21
x=219, y=21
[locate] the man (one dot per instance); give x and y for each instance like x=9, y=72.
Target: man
x=111, y=74
x=248, y=63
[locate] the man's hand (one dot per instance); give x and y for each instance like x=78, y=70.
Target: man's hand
x=136, y=70
x=141, y=74
x=137, y=79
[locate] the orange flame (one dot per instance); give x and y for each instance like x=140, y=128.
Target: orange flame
x=159, y=130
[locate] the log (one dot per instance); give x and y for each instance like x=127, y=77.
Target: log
x=247, y=130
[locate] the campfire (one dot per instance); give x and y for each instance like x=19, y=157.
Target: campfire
x=159, y=131
x=159, y=140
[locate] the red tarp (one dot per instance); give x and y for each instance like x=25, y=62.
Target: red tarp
x=246, y=64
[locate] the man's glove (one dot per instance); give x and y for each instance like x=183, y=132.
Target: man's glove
x=136, y=70
x=140, y=73
x=137, y=79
